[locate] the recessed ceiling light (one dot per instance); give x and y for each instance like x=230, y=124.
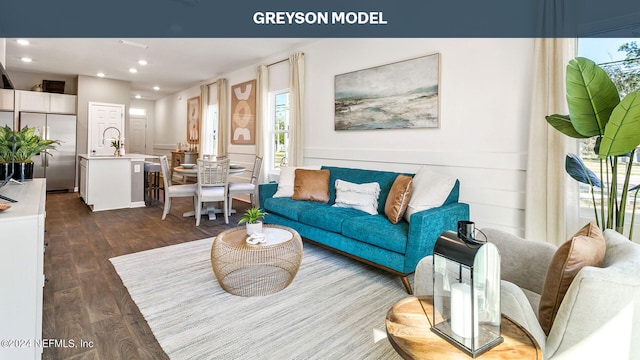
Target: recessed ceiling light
x=142, y=62
x=100, y=74
x=22, y=42
x=156, y=88
x=133, y=70
x=26, y=59
x=138, y=97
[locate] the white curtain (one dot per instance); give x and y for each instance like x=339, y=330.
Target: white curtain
x=205, y=131
x=552, y=199
x=223, y=117
x=296, y=109
x=262, y=118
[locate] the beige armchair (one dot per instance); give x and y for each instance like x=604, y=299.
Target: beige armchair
x=599, y=317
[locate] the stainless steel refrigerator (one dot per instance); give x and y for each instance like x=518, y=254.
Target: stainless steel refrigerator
x=59, y=168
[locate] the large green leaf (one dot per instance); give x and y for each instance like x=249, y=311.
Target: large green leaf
x=622, y=133
x=563, y=124
x=580, y=172
x=591, y=96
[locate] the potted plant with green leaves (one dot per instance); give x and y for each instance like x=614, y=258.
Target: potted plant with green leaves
x=26, y=144
x=596, y=111
x=252, y=217
x=6, y=153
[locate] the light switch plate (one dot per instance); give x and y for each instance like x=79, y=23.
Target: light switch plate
x=136, y=168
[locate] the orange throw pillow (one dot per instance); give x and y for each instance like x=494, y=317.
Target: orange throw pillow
x=398, y=198
x=585, y=248
x=311, y=185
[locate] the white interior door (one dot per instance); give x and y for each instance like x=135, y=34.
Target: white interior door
x=137, y=142
x=106, y=121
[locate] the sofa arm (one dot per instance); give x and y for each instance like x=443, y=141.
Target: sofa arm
x=266, y=191
x=523, y=262
x=426, y=226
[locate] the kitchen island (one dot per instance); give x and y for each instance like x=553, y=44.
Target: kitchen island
x=112, y=182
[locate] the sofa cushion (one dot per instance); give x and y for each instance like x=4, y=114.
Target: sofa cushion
x=287, y=178
x=360, y=176
x=288, y=208
x=586, y=248
x=357, y=196
x=398, y=198
x=377, y=230
x=311, y=185
x=328, y=217
x=429, y=190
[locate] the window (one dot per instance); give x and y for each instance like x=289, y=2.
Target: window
x=211, y=131
x=280, y=120
x=137, y=111
x=619, y=58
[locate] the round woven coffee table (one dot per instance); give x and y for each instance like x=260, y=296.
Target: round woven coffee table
x=256, y=270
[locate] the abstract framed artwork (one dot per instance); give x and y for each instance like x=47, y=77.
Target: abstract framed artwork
x=399, y=95
x=193, y=120
x=243, y=113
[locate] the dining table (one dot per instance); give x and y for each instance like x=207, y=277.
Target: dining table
x=192, y=172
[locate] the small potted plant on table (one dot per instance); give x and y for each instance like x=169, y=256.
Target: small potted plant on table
x=253, y=217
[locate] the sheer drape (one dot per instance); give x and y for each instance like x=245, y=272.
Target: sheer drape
x=552, y=200
x=205, y=126
x=296, y=109
x=262, y=118
x=223, y=117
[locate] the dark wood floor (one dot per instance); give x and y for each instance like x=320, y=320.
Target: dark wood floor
x=85, y=303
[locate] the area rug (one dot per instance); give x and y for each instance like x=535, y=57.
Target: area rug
x=335, y=307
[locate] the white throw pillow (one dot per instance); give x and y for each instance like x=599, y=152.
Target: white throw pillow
x=429, y=190
x=357, y=196
x=287, y=179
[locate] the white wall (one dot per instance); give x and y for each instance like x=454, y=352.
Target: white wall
x=170, y=125
x=482, y=140
x=3, y=51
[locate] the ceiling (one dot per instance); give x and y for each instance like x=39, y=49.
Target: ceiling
x=173, y=64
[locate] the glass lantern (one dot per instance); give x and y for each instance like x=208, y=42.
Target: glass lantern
x=466, y=293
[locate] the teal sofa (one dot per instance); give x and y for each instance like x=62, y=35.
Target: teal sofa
x=372, y=239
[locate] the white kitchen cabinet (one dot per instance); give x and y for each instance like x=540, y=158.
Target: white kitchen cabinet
x=33, y=101
x=6, y=99
x=109, y=182
x=83, y=179
x=36, y=101
x=22, y=271
x=62, y=103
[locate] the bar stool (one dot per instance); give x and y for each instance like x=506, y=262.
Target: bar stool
x=152, y=184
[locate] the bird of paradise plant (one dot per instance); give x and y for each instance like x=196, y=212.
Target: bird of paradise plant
x=595, y=110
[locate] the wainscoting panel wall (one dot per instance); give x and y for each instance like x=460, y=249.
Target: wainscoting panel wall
x=493, y=184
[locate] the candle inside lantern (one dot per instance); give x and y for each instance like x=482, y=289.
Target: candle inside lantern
x=461, y=307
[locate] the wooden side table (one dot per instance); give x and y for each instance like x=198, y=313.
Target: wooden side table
x=409, y=331
x=182, y=157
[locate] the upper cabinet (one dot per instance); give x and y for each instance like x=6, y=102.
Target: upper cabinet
x=33, y=101
x=6, y=99
x=62, y=104
x=46, y=102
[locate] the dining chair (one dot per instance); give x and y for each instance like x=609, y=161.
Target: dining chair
x=213, y=185
x=170, y=190
x=238, y=188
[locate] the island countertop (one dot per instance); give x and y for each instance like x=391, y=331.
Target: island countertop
x=112, y=182
x=124, y=157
